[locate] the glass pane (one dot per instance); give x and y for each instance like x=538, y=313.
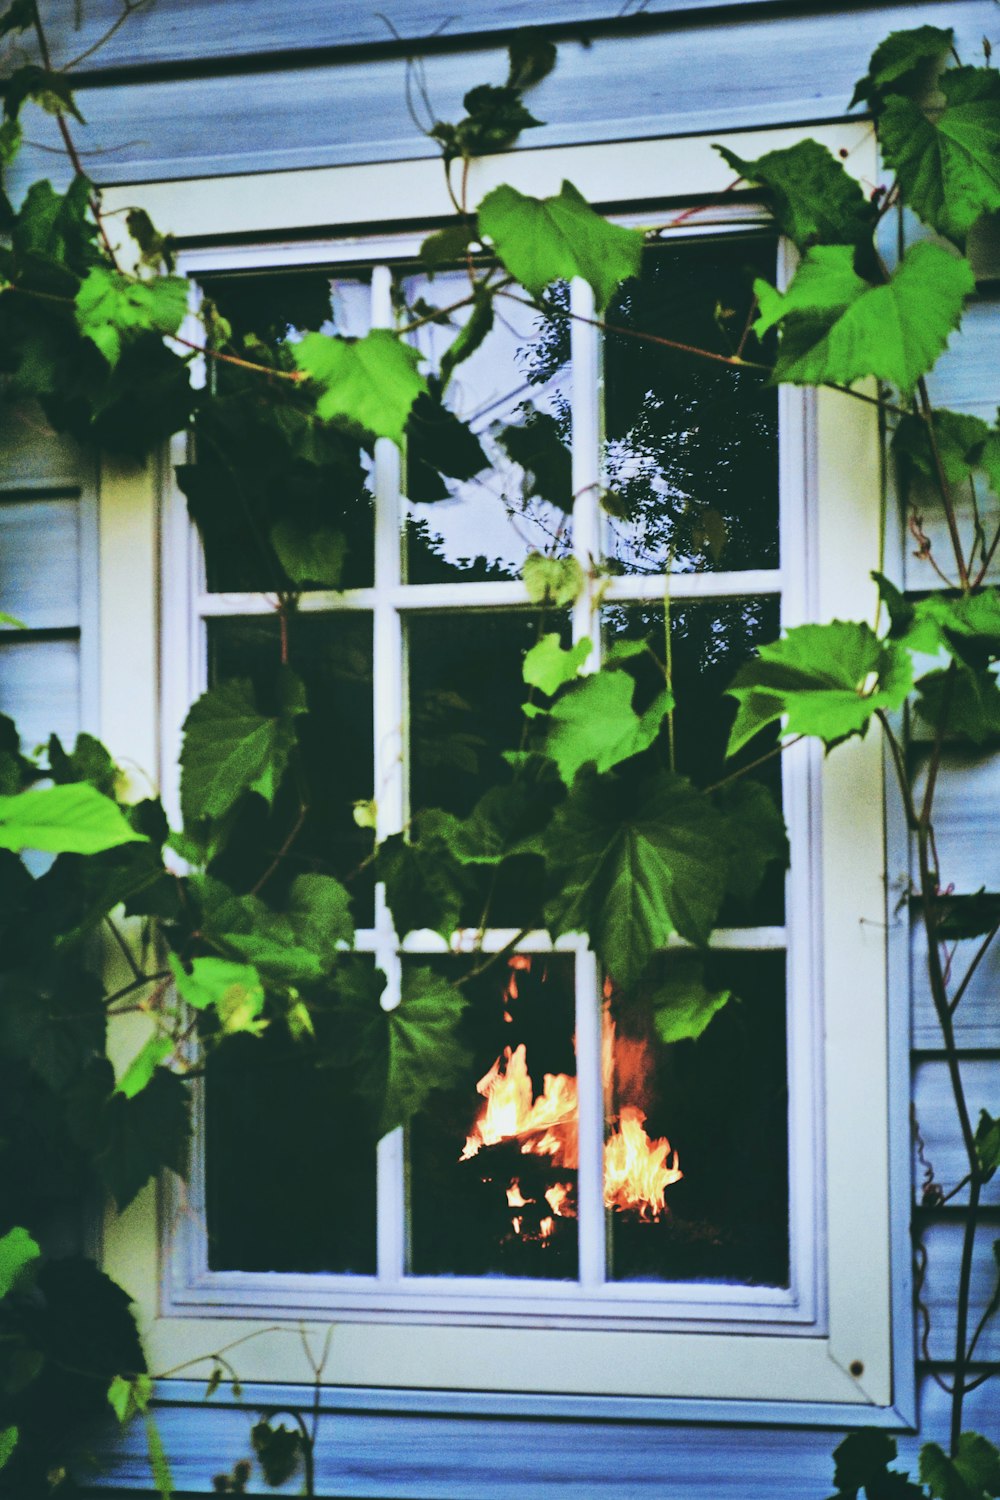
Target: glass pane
x=466, y=693
x=493, y=1162
x=40, y=688
x=289, y=1161
x=709, y=641
x=332, y=653
x=696, y=1159
x=261, y=464
x=485, y=526
x=691, y=459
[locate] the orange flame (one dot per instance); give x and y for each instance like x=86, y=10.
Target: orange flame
x=637, y=1170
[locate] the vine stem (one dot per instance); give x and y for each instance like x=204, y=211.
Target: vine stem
x=927, y=412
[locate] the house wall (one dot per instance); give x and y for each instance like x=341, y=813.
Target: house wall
x=197, y=88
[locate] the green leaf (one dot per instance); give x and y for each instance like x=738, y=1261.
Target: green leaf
x=111, y=307
x=963, y=703
x=948, y=163
x=633, y=865
x=554, y=581
x=130, y=1395
x=593, y=722
x=11, y=622
x=73, y=819
x=437, y=443
x=988, y=1143
x=87, y=761
x=230, y=748
x=20, y=16
x=837, y=327
x=145, y=1063
x=130, y=1140
x=18, y=1253
x=423, y=881
x=445, y=246
x=406, y=1053
x=311, y=558
x=370, y=383
x=53, y=92
x=52, y=1017
x=548, y=666
x=819, y=679
x=972, y=1474
x=967, y=625
x=862, y=1459
x=959, y=438
x=471, y=335
x=532, y=58
x=902, y=62
x=682, y=1006
x=293, y=946
x=755, y=835
x=541, y=240
x=815, y=200
x=278, y=1450
x=538, y=448
x=8, y=1442
x=495, y=117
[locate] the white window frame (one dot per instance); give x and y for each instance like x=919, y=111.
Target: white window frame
x=826, y=1339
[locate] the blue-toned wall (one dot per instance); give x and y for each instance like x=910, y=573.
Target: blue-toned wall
x=194, y=88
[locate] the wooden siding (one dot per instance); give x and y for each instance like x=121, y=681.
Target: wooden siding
x=772, y=68
x=204, y=87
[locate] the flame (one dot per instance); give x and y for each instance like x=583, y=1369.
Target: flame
x=637, y=1170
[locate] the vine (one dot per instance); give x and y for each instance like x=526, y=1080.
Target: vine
x=242, y=922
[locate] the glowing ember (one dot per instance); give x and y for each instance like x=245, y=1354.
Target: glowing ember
x=637, y=1170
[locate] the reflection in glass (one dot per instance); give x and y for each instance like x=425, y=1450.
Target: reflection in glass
x=289, y=1160
x=262, y=462
x=706, y=1198
x=519, y=376
x=332, y=769
x=691, y=457
x=493, y=1162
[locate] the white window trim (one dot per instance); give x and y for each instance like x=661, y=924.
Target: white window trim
x=836, y=1349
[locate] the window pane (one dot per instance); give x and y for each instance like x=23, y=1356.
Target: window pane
x=696, y=1160
x=493, y=1162
x=262, y=466
x=333, y=656
x=708, y=643
x=289, y=1161
x=484, y=527
x=691, y=457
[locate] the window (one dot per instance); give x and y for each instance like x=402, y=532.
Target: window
x=740, y=1245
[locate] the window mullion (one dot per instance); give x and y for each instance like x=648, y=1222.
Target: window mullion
x=389, y=710
x=586, y=459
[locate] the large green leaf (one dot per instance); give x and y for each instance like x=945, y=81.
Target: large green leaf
x=130, y=1140
x=52, y=1018
x=312, y=557
x=683, y=1006
x=111, y=307
x=972, y=1474
x=902, y=62
x=231, y=748
x=964, y=703
x=823, y=680
x=401, y=1055
x=947, y=162
x=988, y=1143
x=371, y=382
x=958, y=437
x=437, y=443
x=552, y=581
x=537, y=447
x=966, y=625
x=755, y=835
x=592, y=722
x=293, y=946
x=815, y=200
x=541, y=240
x=18, y=1253
x=862, y=1459
x=424, y=883
x=633, y=865
x=72, y=819
x=837, y=327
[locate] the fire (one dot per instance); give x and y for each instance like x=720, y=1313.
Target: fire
x=637, y=1170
